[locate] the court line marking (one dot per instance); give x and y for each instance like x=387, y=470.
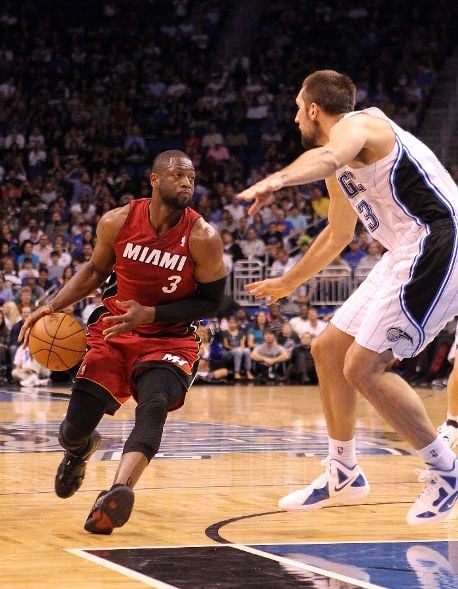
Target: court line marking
x=241, y=547
x=119, y=568
x=306, y=567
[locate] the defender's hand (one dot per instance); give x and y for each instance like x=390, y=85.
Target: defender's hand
x=31, y=320
x=261, y=192
x=271, y=289
x=136, y=315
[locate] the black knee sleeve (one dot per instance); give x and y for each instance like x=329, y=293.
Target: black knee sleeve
x=150, y=417
x=83, y=415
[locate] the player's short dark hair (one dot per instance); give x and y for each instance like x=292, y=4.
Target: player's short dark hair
x=162, y=160
x=333, y=92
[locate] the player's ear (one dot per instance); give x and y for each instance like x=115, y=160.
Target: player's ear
x=314, y=110
x=153, y=179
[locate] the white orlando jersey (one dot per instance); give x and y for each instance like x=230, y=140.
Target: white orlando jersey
x=399, y=196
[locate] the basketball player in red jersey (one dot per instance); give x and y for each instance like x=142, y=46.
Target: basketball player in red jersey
x=165, y=269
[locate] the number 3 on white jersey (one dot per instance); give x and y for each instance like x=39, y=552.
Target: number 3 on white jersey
x=174, y=282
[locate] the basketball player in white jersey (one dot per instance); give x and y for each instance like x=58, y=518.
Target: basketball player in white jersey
x=406, y=199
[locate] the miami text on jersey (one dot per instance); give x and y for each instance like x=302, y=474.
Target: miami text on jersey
x=146, y=255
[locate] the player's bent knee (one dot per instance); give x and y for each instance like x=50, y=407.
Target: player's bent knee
x=70, y=437
x=150, y=417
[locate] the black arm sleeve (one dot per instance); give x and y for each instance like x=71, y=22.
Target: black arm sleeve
x=205, y=303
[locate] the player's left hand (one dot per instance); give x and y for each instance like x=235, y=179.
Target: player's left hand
x=135, y=315
x=271, y=289
x=261, y=192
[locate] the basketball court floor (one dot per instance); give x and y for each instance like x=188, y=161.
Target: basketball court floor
x=206, y=512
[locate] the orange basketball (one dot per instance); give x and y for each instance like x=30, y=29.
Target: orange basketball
x=57, y=341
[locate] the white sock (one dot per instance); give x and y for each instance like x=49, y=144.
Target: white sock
x=343, y=451
x=438, y=455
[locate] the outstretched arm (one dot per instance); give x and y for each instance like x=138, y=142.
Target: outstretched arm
x=325, y=248
x=346, y=139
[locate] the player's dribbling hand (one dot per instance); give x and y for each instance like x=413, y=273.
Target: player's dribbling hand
x=261, y=192
x=30, y=321
x=271, y=289
x=136, y=315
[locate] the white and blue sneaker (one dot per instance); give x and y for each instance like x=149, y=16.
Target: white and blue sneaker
x=435, y=503
x=338, y=485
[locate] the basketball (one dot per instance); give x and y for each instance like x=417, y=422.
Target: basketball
x=57, y=341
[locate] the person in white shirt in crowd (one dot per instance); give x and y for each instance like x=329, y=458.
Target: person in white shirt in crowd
x=27, y=371
x=64, y=258
x=281, y=264
x=299, y=322
x=313, y=325
x=43, y=249
x=93, y=301
x=252, y=246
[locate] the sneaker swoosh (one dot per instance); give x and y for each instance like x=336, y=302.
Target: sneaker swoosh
x=338, y=488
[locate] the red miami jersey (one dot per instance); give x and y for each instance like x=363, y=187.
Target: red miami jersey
x=152, y=269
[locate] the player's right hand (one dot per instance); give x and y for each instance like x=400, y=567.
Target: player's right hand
x=271, y=289
x=30, y=321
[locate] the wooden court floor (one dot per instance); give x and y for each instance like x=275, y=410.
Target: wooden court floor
x=227, y=456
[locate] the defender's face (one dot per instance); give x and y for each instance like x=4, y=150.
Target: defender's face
x=175, y=184
x=308, y=127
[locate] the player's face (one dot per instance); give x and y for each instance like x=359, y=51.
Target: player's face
x=308, y=127
x=176, y=183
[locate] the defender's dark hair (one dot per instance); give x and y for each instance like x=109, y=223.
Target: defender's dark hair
x=162, y=160
x=333, y=92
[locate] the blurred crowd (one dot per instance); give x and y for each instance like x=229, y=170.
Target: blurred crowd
x=91, y=91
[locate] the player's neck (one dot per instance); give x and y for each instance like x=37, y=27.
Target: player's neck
x=163, y=217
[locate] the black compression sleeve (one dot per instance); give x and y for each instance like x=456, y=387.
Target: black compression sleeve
x=205, y=303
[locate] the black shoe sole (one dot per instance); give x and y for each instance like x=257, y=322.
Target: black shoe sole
x=66, y=491
x=113, y=512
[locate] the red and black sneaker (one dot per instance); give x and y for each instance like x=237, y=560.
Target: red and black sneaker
x=71, y=470
x=111, y=510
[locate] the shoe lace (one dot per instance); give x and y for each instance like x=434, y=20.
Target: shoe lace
x=430, y=479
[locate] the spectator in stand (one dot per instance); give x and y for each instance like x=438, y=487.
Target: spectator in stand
x=299, y=322
x=227, y=222
x=269, y=359
x=273, y=240
x=43, y=279
x=64, y=259
x=6, y=292
x=43, y=249
x=30, y=233
x=231, y=248
x=16, y=328
x=212, y=137
x=301, y=368
x=92, y=301
x=27, y=270
x=10, y=273
x=320, y=202
x=366, y=263
x=55, y=270
x=275, y=318
x=234, y=341
x=4, y=348
x=11, y=313
x=255, y=333
x=287, y=337
x=252, y=246
x=282, y=263
x=24, y=298
x=27, y=371
x=354, y=254
x=27, y=253
x=242, y=319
